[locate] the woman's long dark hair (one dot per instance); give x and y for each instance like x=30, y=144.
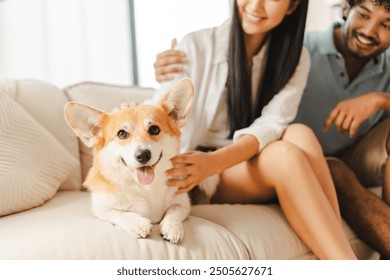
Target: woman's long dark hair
x=282, y=57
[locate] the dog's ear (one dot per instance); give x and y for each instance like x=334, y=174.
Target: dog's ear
x=85, y=121
x=179, y=101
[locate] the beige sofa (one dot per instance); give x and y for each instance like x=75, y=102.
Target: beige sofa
x=49, y=217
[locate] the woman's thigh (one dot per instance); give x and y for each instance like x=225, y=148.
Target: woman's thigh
x=254, y=181
x=242, y=184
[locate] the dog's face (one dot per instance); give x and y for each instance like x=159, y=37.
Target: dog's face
x=137, y=141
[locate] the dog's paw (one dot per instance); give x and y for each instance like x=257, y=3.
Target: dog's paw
x=138, y=227
x=172, y=231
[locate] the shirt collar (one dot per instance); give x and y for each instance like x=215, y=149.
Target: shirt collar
x=327, y=45
x=222, y=42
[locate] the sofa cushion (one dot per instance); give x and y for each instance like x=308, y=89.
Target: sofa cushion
x=104, y=97
x=269, y=235
x=33, y=164
x=45, y=103
x=65, y=228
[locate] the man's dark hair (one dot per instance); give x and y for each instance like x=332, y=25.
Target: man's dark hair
x=385, y=3
x=281, y=60
x=348, y=4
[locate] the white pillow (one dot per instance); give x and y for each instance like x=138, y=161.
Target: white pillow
x=33, y=164
x=45, y=103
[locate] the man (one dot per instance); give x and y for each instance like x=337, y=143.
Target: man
x=344, y=103
x=347, y=93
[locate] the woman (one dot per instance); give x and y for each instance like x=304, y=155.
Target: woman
x=249, y=75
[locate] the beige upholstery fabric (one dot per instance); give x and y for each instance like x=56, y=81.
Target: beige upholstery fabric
x=90, y=238
x=64, y=228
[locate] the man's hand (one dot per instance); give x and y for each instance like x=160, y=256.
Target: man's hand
x=168, y=62
x=349, y=114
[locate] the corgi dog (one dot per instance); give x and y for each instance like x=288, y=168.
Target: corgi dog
x=133, y=147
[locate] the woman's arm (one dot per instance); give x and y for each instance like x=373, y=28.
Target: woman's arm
x=193, y=167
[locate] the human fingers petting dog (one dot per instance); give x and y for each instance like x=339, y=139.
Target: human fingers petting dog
x=190, y=169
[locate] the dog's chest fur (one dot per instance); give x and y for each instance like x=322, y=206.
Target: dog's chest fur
x=149, y=201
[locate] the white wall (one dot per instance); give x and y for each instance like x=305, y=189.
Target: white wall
x=321, y=13
x=171, y=19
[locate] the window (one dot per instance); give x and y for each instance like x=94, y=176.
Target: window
x=158, y=21
x=65, y=41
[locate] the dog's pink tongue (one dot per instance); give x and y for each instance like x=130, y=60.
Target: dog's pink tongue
x=145, y=175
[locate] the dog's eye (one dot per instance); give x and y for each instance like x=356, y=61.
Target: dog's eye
x=122, y=134
x=154, y=130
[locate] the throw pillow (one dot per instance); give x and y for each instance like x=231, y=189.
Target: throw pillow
x=33, y=164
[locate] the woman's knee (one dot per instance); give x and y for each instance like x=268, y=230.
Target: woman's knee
x=303, y=137
x=280, y=155
x=277, y=162
x=298, y=131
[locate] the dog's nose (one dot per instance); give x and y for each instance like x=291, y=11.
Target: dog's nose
x=143, y=156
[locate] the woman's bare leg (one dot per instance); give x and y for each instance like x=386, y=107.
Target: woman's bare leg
x=303, y=137
x=283, y=169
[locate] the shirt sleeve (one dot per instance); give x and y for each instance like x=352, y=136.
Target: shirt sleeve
x=282, y=108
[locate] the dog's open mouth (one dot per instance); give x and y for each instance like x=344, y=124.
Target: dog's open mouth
x=144, y=174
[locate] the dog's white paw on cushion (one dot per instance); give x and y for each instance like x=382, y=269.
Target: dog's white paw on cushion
x=33, y=164
x=172, y=230
x=137, y=226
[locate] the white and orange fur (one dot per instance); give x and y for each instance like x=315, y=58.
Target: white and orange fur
x=132, y=151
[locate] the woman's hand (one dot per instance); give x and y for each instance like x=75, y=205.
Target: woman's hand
x=190, y=169
x=164, y=65
x=193, y=167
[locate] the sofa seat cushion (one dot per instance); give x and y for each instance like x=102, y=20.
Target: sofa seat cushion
x=279, y=243
x=65, y=228
x=266, y=234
